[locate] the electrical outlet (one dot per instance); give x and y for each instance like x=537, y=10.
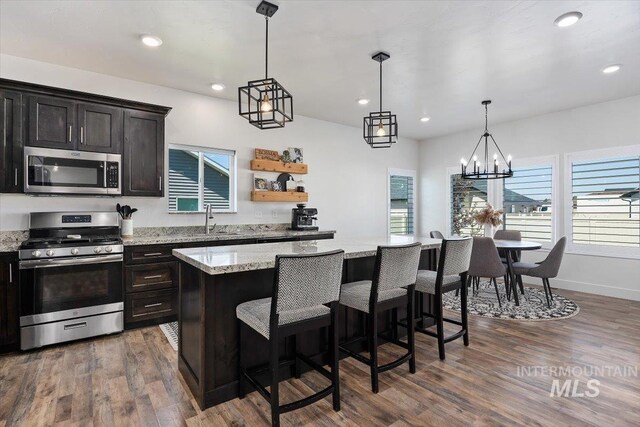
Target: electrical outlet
x=258, y=213
x=274, y=213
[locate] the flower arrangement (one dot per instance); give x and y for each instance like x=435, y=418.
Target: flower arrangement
x=488, y=216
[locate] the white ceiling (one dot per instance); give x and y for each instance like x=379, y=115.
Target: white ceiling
x=446, y=56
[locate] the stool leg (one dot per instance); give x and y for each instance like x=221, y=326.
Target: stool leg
x=335, y=356
x=411, y=330
x=440, y=321
x=274, y=363
x=463, y=314
x=373, y=350
x=241, y=389
x=297, y=367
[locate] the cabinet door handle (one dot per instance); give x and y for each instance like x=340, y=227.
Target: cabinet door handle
x=70, y=133
x=10, y=273
x=153, y=305
x=160, y=183
x=75, y=325
x=155, y=276
x=81, y=135
x=153, y=254
x=15, y=176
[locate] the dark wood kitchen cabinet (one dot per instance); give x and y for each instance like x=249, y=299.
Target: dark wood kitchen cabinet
x=9, y=329
x=100, y=128
x=143, y=155
x=12, y=143
x=52, y=122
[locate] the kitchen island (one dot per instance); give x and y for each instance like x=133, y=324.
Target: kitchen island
x=214, y=280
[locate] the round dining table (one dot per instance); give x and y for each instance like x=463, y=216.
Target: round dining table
x=511, y=249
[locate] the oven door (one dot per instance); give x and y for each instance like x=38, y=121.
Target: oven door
x=58, y=289
x=67, y=172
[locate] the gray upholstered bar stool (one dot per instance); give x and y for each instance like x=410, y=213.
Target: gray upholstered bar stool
x=509, y=235
x=392, y=286
x=455, y=256
x=485, y=262
x=303, y=286
x=547, y=269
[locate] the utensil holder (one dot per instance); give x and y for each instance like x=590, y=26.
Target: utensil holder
x=126, y=228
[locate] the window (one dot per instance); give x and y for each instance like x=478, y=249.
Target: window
x=200, y=176
x=528, y=203
x=604, y=210
x=401, y=202
x=466, y=197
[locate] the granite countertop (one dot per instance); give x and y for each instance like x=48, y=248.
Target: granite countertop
x=232, y=259
x=225, y=236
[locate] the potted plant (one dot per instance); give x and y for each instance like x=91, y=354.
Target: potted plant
x=490, y=218
x=126, y=226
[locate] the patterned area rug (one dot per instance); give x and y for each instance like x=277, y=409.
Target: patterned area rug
x=170, y=331
x=533, y=305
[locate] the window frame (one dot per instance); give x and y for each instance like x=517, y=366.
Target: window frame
x=233, y=178
x=541, y=161
x=409, y=173
x=595, y=250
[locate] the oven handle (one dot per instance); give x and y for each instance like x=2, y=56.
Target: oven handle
x=47, y=263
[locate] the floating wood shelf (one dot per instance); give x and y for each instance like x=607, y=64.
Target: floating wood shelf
x=276, y=166
x=279, y=196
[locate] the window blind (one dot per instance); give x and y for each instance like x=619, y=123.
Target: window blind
x=401, y=214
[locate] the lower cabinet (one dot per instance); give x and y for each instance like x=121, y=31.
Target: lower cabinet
x=9, y=329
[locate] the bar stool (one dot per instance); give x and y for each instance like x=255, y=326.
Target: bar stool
x=302, y=287
x=392, y=286
x=455, y=255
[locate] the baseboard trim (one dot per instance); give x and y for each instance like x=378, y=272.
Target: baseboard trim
x=593, y=288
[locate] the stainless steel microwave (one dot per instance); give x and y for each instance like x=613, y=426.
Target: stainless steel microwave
x=49, y=171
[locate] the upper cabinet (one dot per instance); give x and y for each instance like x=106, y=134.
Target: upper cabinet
x=11, y=131
x=143, y=154
x=100, y=128
x=52, y=122
x=42, y=116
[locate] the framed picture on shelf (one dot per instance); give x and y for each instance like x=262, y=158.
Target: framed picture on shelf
x=296, y=155
x=260, y=183
x=262, y=154
x=276, y=186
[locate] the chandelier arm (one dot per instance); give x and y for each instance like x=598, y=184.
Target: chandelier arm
x=266, y=48
x=499, y=150
x=475, y=149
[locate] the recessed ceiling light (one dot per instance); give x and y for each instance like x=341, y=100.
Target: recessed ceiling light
x=151, y=41
x=217, y=87
x=425, y=119
x=568, y=19
x=610, y=69
x=363, y=101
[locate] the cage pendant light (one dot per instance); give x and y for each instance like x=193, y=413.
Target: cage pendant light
x=265, y=103
x=380, y=128
x=487, y=167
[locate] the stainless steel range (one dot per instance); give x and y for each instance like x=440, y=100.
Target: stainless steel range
x=70, y=278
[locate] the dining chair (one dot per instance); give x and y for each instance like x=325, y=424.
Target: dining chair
x=455, y=256
x=392, y=287
x=546, y=269
x=435, y=234
x=509, y=235
x=485, y=262
x=303, y=287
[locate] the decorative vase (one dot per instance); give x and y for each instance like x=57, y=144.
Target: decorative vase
x=126, y=228
x=489, y=230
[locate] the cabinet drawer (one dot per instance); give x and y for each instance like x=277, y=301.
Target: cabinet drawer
x=148, y=254
x=146, y=277
x=151, y=305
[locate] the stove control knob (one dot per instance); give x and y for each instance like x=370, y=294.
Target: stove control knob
x=36, y=253
x=50, y=252
x=74, y=251
x=97, y=249
x=108, y=249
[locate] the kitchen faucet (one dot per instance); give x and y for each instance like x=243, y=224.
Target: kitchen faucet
x=207, y=217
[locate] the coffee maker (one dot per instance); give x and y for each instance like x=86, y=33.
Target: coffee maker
x=302, y=218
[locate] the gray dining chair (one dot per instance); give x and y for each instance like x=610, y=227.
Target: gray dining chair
x=547, y=269
x=485, y=262
x=435, y=234
x=509, y=235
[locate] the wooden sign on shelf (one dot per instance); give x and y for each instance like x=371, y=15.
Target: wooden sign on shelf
x=262, y=154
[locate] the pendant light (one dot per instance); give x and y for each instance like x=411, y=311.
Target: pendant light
x=380, y=128
x=265, y=103
x=487, y=168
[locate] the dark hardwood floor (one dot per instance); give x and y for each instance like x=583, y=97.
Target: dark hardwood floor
x=132, y=379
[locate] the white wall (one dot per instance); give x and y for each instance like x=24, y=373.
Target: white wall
x=346, y=180
x=609, y=124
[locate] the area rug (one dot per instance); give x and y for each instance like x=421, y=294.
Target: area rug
x=170, y=331
x=533, y=305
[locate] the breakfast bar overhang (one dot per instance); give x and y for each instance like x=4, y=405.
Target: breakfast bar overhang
x=214, y=280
